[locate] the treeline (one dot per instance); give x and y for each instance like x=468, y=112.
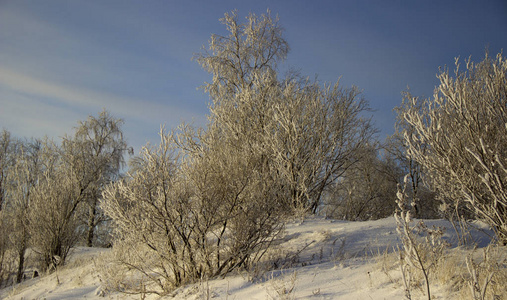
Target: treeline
x=50, y=193
x=207, y=201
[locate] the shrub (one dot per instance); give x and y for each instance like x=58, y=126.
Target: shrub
x=460, y=138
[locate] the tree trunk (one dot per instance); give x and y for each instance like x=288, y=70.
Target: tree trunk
x=91, y=224
x=21, y=264
x=1, y=196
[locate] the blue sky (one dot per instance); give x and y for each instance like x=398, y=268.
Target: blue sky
x=61, y=61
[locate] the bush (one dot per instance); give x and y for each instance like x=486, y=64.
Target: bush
x=460, y=139
x=179, y=220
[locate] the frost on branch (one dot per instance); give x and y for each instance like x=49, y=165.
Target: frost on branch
x=417, y=255
x=460, y=139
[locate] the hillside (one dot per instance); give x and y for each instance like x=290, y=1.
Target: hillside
x=317, y=259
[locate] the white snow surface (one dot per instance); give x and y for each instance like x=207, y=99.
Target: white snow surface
x=320, y=259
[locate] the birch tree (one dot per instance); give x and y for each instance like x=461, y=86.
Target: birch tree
x=7, y=152
x=96, y=154
x=7, y=155
x=52, y=221
x=318, y=133
x=23, y=178
x=299, y=131
x=21, y=169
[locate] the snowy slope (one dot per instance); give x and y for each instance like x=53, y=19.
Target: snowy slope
x=318, y=259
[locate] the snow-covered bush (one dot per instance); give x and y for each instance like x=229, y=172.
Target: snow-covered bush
x=179, y=219
x=488, y=274
x=425, y=256
x=459, y=274
x=460, y=138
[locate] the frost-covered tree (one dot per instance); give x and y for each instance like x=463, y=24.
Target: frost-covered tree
x=5, y=261
x=46, y=190
x=70, y=185
x=460, y=138
x=7, y=159
x=243, y=91
x=20, y=170
x=22, y=177
x=296, y=130
x=316, y=135
x=52, y=220
x=96, y=154
x=248, y=53
x=7, y=152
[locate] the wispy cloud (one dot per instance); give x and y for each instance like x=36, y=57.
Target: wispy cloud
x=76, y=96
x=56, y=70
x=37, y=107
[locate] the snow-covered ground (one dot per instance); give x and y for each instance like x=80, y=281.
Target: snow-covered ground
x=318, y=259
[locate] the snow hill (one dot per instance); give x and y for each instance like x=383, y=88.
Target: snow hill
x=317, y=259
